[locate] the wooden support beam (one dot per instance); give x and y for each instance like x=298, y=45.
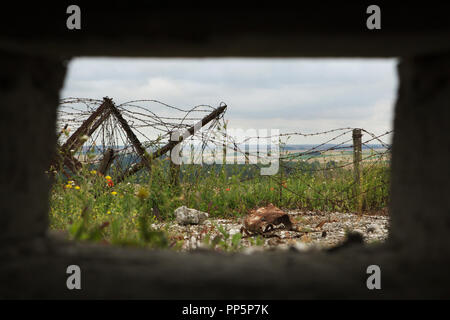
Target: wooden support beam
x=106, y=162
x=73, y=140
x=64, y=154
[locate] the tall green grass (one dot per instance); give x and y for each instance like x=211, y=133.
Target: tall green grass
x=90, y=208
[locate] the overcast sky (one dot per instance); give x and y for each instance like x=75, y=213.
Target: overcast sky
x=307, y=95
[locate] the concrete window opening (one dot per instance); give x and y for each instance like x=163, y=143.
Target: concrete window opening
x=413, y=260
x=329, y=184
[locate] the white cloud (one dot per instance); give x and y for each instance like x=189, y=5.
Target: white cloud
x=309, y=95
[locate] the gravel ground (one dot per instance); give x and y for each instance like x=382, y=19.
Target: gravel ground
x=316, y=230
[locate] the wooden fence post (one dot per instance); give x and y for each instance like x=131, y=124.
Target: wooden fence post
x=357, y=158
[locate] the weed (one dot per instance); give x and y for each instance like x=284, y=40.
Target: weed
x=93, y=207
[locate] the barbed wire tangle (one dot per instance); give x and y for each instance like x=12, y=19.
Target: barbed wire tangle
x=121, y=139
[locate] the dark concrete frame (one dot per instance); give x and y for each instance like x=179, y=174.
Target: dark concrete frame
x=413, y=261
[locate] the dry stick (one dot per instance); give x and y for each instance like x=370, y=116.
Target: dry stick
x=171, y=144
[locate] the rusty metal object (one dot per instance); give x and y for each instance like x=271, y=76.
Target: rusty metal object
x=264, y=219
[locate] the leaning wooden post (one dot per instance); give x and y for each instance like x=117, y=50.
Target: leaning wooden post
x=171, y=144
x=64, y=156
x=106, y=162
x=74, y=142
x=357, y=158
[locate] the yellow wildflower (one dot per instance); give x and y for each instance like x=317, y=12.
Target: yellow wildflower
x=68, y=186
x=113, y=193
x=108, y=178
x=108, y=212
x=142, y=193
x=93, y=171
x=77, y=187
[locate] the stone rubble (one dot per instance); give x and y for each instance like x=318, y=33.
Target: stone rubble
x=317, y=230
x=186, y=216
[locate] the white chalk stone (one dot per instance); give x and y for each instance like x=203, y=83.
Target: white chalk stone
x=185, y=216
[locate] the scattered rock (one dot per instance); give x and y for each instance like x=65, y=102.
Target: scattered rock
x=374, y=229
x=193, y=242
x=233, y=231
x=185, y=216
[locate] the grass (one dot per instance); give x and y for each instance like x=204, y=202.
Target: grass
x=92, y=207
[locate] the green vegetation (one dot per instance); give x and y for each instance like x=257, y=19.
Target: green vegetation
x=92, y=207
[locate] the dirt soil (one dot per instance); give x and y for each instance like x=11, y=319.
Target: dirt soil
x=315, y=230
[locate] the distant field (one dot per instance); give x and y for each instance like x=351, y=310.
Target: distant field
x=340, y=156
